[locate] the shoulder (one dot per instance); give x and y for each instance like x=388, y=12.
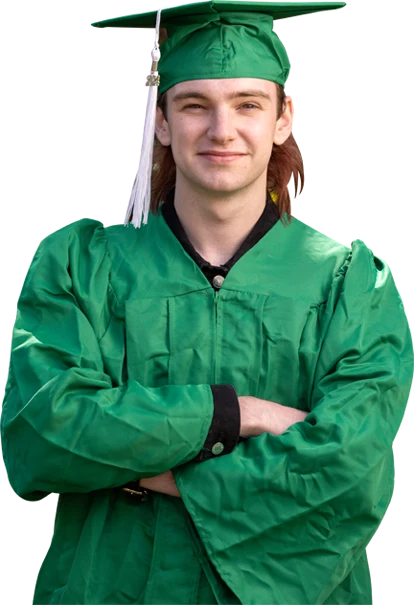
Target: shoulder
x=332, y=260
x=320, y=245
x=314, y=257
x=82, y=229
x=70, y=255
x=58, y=244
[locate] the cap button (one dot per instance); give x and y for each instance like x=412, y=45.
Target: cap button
x=217, y=448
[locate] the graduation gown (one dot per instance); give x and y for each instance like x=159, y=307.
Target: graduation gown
x=117, y=339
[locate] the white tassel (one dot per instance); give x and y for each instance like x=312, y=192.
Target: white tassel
x=140, y=199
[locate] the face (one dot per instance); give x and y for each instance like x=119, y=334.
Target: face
x=221, y=131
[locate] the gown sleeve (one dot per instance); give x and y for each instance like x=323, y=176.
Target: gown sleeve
x=285, y=518
x=64, y=426
x=225, y=426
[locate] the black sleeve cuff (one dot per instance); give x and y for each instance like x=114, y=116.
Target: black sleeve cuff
x=224, y=432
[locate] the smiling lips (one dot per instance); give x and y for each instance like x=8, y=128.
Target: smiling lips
x=221, y=156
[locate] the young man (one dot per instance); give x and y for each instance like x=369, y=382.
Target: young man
x=215, y=394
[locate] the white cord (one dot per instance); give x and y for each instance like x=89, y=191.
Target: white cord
x=140, y=199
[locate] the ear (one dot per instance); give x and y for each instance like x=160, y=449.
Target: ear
x=162, y=130
x=283, y=128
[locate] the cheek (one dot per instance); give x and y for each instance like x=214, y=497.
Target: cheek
x=260, y=140
x=262, y=130
x=185, y=135
x=257, y=127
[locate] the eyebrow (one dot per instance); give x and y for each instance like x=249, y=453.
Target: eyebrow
x=194, y=94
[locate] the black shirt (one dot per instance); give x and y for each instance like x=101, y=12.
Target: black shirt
x=225, y=425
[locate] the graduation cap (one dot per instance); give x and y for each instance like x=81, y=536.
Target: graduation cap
x=215, y=39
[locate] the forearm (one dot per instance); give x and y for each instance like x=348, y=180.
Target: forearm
x=263, y=416
x=282, y=417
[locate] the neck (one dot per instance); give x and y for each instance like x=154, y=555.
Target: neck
x=217, y=224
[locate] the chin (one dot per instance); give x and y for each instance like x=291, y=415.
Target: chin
x=221, y=185
x=217, y=182
x=223, y=188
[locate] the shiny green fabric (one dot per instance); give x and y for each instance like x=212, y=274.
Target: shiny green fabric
x=222, y=45
x=118, y=336
x=220, y=39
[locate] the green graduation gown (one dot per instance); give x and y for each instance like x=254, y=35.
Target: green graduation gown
x=117, y=338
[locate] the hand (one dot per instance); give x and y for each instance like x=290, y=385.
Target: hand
x=259, y=416
x=164, y=483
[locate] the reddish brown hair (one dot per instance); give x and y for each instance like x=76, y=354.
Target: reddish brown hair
x=285, y=162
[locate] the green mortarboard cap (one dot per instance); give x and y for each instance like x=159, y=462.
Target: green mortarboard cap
x=207, y=40
x=221, y=39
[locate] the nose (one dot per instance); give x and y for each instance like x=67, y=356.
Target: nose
x=221, y=127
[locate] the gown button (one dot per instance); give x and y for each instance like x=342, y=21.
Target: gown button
x=217, y=448
x=218, y=281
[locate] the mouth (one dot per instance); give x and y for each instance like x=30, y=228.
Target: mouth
x=219, y=157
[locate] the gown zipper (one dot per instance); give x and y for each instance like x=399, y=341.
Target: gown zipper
x=216, y=299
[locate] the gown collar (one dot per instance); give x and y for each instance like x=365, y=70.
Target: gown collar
x=268, y=218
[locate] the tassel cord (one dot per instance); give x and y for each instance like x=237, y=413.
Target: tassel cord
x=140, y=199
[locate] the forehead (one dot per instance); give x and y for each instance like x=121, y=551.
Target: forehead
x=225, y=88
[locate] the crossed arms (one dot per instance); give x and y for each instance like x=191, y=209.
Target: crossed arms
x=257, y=416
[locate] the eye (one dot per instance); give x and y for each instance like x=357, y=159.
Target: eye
x=192, y=106
x=250, y=106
